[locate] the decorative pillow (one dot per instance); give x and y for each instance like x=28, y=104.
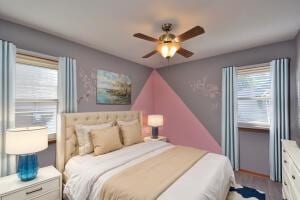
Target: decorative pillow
x=106, y=140
x=126, y=123
x=84, y=137
x=131, y=134
x=122, y=123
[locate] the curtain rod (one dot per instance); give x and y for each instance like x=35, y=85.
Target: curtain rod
x=33, y=53
x=6, y=40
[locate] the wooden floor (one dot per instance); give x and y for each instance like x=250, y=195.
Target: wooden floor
x=272, y=189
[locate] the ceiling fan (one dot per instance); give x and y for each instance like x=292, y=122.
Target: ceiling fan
x=168, y=44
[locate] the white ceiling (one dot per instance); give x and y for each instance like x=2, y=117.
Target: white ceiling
x=108, y=25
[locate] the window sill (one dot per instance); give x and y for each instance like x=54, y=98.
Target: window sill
x=52, y=141
x=51, y=138
x=254, y=130
x=254, y=127
x=263, y=126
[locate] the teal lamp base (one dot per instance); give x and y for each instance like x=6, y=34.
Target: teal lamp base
x=27, y=167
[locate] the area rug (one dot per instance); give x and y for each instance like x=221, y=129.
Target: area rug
x=239, y=192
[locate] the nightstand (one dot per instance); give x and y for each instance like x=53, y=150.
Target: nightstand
x=160, y=138
x=47, y=186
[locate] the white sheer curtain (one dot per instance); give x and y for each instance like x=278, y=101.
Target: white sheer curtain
x=7, y=103
x=280, y=121
x=230, y=136
x=67, y=85
x=67, y=97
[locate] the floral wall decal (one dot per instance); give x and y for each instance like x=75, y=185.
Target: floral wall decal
x=89, y=81
x=207, y=90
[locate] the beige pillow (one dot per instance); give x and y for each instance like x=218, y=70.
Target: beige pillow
x=131, y=134
x=106, y=140
x=84, y=137
x=123, y=123
x=126, y=123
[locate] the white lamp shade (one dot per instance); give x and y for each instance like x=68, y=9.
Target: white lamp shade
x=155, y=120
x=26, y=140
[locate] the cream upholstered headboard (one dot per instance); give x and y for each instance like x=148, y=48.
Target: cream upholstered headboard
x=67, y=145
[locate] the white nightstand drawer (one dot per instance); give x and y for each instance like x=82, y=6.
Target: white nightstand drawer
x=49, y=196
x=34, y=191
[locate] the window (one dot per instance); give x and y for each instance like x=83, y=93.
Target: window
x=36, y=92
x=254, y=96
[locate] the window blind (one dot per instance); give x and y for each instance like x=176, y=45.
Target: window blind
x=36, y=95
x=253, y=94
x=36, y=61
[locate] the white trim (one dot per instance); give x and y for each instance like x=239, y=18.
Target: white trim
x=36, y=54
x=261, y=126
x=254, y=98
x=254, y=125
x=37, y=100
x=255, y=65
x=51, y=136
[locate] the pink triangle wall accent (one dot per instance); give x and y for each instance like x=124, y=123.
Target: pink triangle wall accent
x=181, y=126
x=145, y=102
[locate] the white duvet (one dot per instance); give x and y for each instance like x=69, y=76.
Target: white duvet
x=209, y=178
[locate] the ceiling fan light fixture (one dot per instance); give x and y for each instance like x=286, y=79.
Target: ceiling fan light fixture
x=168, y=50
x=168, y=44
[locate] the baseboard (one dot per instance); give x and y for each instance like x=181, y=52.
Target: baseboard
x=254, y=173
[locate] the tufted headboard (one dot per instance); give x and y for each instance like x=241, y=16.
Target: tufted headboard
x=67, y=145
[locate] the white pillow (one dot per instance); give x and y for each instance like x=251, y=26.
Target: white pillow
x=83, y=133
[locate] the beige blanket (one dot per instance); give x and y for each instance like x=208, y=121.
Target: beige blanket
x=148, y=179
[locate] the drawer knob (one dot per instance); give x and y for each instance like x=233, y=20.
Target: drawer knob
x=293, y=177
x=33, y=191
x=285, y=184
x=284, y=150
x=285, y=161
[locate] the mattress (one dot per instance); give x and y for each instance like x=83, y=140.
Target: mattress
x=209, y=178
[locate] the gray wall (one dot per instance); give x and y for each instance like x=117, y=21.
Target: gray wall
x=47, y=157
x=254, y=151
x=205, y=102
x=88, y=61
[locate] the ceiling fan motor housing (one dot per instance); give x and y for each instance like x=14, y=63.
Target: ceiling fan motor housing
x=167, y=27
x=167, y=37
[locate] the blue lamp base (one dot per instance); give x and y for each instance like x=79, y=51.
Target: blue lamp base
x=28, y=167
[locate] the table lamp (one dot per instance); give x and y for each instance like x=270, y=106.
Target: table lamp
x=25, y=142
x=155, y=121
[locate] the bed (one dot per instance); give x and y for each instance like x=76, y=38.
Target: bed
x=84, y=176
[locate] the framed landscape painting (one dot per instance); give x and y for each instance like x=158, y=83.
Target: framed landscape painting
x=113, y=88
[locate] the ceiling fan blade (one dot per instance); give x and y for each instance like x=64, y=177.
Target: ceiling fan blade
x=150, y=54
x=197, y=30
x=185, y=53
x=145, y=37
